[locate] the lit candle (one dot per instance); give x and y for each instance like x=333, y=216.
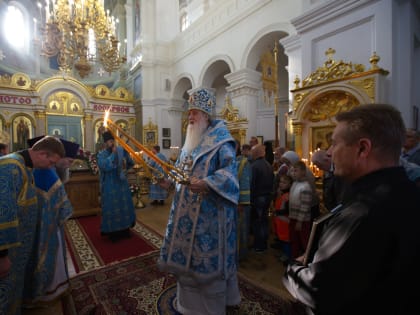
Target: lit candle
x=172, y=171
x=140, y=160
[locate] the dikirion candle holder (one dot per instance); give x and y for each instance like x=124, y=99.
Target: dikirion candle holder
x=173, y=172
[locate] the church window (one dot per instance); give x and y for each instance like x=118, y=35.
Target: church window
x=184, y=22
x=14, y=27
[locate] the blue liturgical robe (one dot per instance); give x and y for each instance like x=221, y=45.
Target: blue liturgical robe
x=45, y=266
x=156, y=192
x=200, y=240
x=117, y=204
x=18, y=214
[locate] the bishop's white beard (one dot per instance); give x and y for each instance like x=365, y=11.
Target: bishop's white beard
x=194, y=134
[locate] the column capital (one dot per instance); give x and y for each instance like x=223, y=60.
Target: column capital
x=244, y=78
x=88, y=117
x=291, y=43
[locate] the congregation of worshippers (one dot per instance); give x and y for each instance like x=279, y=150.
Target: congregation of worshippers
x=279, y=140
x=326, y=191
x=280, y=196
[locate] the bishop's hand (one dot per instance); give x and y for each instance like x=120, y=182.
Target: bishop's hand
x=198, y=185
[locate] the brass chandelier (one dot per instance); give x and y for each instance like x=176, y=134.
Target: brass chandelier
x=80, y=33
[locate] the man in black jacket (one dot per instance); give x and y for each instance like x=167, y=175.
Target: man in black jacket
x=261, y=196
x=368, y=253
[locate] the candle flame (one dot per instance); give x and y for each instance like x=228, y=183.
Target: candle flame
x=106, y=116
x=176, y=174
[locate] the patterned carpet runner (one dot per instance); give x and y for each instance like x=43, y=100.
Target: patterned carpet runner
x=123, y=277
x=137, y=287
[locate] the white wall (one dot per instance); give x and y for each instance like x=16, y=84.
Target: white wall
x=228, y=31
x=356, y=29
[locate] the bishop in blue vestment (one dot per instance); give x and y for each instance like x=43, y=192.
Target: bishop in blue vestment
x=199, y=246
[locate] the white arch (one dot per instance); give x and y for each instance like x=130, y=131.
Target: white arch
x=212, y=61
x=179, y=78
x=54, y=84
x=283, y=27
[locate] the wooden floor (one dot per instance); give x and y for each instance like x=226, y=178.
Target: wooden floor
x=263, y=268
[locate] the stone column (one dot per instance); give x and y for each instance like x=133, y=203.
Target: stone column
x=40, y=123
x=297, y=134
x=293, y=49
x=138, y=131
x=129, y=28
x=88, y=134
x=131, y=126
x=175, y=117
x=37, y=57
x=244, y=88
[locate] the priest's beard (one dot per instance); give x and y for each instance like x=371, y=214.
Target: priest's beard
x=194, y=134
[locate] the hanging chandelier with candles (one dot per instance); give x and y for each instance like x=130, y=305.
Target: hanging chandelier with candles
x=80, y=33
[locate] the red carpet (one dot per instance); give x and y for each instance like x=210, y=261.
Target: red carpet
x=90, y=250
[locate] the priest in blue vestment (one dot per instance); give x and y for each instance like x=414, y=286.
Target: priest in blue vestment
x=118, y=214
x=18, y=216
x=156, y=193
x=199, y=246
x=48, y=278
x=47, y=273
